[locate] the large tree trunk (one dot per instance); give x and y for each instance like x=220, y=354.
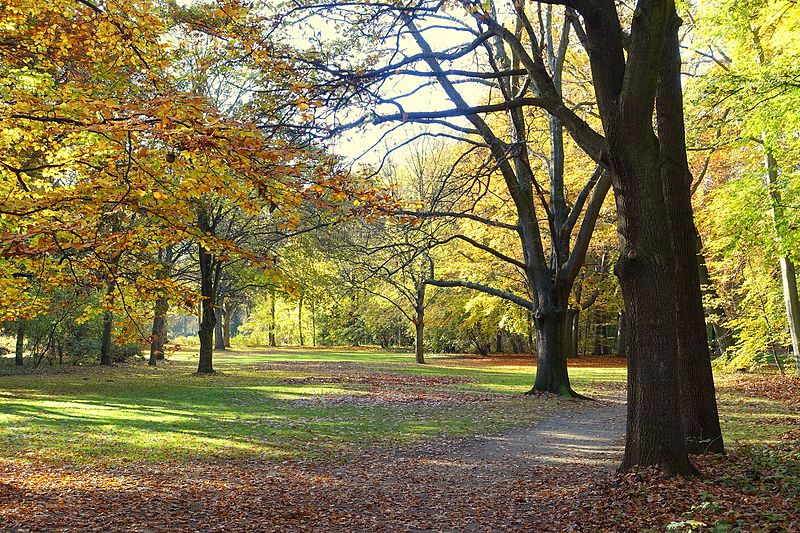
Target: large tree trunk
x=19, y=349
x=551, y=350
x=625, y=86
x=158, y=334
x=208, y=318
x=106, y=342
x=698, y=400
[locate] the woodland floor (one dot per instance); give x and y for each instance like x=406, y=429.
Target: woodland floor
x=550, y=468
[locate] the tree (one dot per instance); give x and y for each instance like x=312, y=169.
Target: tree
x=549, y=274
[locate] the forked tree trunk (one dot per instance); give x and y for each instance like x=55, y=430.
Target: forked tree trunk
x=159, y=332
x=208, y=318
x=698, y=400
x=19, y=349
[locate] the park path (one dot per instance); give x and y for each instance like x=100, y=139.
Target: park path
x=592, y=435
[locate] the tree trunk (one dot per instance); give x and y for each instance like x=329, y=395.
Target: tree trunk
x=159, y=332
x=272, y=341
x=219, y=337
x=698, y=400
x=792, y=302
x=208, y=318
x=419, y=325
x=313, y=322
x=419, y=336
x=622, y=332
x=571, y=333
x=551, y=353
x=723, y=337
x=19, y=349
x=108, y=328
x=788, y=274
x=300, y=320
x=226, y=324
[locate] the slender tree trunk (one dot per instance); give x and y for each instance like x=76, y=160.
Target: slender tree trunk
x=419, y=325
x=300, y=320
x=788, y=273
x=272, y=341
x=314, y=322
x=219, y=337
x=208, y=318
x=159, y=332
x=698, y=400
x=106, y=341
x=723, y=337
x=226, y=324
x=19, y=349
x=622, y=331
x=571, y=331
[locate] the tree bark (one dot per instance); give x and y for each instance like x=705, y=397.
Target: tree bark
x=19, y=349
x=106, y=342
x=698, y=400
x=159, y=332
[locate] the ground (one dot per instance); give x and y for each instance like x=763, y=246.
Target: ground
x=363, y=440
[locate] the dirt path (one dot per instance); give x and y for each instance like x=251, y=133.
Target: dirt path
x=592, y=435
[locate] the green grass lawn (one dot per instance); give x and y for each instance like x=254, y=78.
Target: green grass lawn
x=259, y=404
x=282, y=404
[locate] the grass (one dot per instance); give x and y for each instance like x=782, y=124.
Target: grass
x=279, y=404
x=132, y=412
